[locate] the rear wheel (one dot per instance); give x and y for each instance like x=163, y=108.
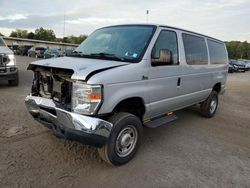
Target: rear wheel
x=124, y=140
x=209, y=106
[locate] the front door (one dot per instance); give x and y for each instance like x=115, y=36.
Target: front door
x=164, y=79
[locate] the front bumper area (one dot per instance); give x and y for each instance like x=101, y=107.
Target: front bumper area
x=8, y=73
x=88, y=130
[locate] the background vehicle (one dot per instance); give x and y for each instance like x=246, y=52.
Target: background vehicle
x=23, y=50
x=14, y=48
x=238, y=66
x=69, y=51
x=54, y=52
x=247, y=64
x=122, y=78
x=230, y=68
x=37, y=52
x=8, y=68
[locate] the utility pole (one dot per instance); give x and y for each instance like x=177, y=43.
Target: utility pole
x=147, y=12
x=63, y=24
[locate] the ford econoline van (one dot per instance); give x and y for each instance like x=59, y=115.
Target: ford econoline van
x=123, y=78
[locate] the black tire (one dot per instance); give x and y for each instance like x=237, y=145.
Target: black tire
x=121, y=121
x=207, y=107
x=13, y=82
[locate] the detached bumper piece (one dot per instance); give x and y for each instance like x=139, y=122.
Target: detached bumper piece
x=87, y=130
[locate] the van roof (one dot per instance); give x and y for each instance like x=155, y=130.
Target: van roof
x=171, y=27
x=185, y=30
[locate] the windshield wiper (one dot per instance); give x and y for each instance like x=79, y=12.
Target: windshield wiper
x=101, y=55
x=107, y=55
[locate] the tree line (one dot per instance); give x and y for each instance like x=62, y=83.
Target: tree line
x=47, y=35
x=238, y=50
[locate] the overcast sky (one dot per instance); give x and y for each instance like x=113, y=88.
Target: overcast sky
x=222, y=19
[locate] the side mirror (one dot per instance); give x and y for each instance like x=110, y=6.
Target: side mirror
x=165, y=58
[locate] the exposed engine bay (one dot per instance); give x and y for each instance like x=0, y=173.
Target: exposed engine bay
x=53, y=84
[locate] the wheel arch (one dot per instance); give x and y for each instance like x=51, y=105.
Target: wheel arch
x=217, y=87
x=133, y=105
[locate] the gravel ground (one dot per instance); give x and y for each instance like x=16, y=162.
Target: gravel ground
x=190, y=152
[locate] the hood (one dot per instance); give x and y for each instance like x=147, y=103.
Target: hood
x=82, y=67
x=5, y=50
x=239, y=63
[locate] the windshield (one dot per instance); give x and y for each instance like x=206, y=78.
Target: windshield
x=2, y=42
x=124, y=43
x=40, y=48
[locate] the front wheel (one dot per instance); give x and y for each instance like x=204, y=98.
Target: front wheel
x=209, y=106
x=13, y=82
x=124, y=141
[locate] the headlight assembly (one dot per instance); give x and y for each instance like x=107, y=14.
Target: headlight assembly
x=11, y=61
x=86, y=98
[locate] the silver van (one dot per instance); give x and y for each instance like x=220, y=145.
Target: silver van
x=125, y=77
x=8, y=68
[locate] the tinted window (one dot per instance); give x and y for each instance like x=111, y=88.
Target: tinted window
x=217, y=52
x=167, y=40
x=40, y=48
x=195, y=50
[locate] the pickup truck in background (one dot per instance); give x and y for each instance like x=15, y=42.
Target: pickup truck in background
x=8, y=68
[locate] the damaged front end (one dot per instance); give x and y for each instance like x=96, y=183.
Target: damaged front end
x=53, y=84
x=50, y=103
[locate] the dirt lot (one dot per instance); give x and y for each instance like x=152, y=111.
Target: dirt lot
x=190, y=152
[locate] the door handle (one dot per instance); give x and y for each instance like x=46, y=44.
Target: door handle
x=179, y=81
x=144, y=77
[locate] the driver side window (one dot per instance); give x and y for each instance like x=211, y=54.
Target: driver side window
x=167, y=40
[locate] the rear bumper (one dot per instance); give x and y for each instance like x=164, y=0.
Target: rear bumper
x=84, y=129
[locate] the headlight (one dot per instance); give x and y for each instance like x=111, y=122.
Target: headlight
x=11, y=60
x=86, y=98
x=236, y=66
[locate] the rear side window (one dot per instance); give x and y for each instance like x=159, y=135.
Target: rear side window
x=217, y=52
x=195, y=49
